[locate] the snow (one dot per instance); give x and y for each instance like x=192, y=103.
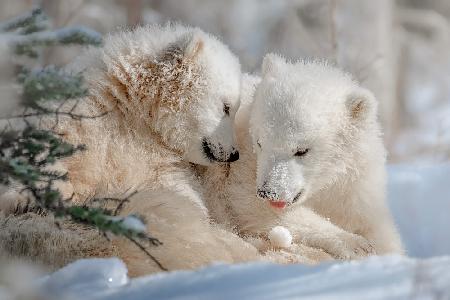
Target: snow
x=134, y=223
x=420, y=202
x=280, y=236
x=85, y=275
x=374, y=278
x=419, y=199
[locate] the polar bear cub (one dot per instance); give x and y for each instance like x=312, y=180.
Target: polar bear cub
x=160, y=98
x=170, y=95
x=312, y=160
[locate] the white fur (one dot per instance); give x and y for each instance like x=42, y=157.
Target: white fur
x=341, y=207
x=164, y=90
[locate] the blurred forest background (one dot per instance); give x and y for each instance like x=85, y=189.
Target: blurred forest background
x=398, y=49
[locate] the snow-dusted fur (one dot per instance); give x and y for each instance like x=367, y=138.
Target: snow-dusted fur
x=309, y=141
x=36, y=239
x=170, y=95
x=189, y=239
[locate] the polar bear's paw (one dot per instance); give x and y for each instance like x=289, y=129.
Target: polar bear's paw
x=344, y=245
x=351, y=246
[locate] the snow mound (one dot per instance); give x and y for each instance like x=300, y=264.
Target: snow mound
x=82, y=278
x=419, y=198
x=390, y=277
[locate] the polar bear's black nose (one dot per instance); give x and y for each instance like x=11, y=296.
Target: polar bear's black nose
x=208, y=151
x=215, y=152
x=265, y=194
x=234, y=156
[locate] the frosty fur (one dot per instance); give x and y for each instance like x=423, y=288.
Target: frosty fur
x=167, y=92
x=164, y=90
x=35, y=238
x=170, y=92
x=335, y=193
x=189, y=242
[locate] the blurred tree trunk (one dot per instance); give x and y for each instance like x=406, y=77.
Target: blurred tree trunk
x=134, y=12
x=365, y=33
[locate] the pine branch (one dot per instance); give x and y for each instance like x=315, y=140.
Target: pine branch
x=28, y=22
x=148, y=253
x=26, y=44
x=51, y=84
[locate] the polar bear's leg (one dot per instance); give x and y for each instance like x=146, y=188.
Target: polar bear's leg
x=189, y=240
x=380, y=230
x=313, y=230
x=372, y=219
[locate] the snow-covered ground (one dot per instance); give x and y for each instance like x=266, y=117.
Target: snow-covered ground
x=419, y=197
x=373, y=278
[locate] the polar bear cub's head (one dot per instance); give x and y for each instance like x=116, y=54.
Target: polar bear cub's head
x=206, y=82
x=181, y=83
x=308, y=127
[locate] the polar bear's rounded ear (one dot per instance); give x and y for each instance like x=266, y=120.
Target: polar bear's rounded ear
x=272, y=63
x=361, y=104
x=187, y=46
x=194, y=46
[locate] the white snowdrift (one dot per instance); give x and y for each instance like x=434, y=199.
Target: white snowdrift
x=420, y=201
x=419, y=197
x=373, y=278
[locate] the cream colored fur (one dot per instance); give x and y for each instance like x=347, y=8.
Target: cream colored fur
x=342, y=206
x=189, y=240
x=166, y=91
x=36, y=239
x=164, y=94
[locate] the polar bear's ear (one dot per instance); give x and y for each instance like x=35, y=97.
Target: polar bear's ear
x=193, y=47
x=361, y=104
x=187, y=46
x=272, y=63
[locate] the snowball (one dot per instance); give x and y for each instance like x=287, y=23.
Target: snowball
x=280, y=236
x=134, y=223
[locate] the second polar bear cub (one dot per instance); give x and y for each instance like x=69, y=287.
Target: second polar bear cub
x=312, y=161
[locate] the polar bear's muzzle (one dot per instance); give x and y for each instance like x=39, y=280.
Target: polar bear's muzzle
x=275, y=200
x=217, y=153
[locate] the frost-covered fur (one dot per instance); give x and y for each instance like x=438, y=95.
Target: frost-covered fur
x=310, y=141
x=170, y=95
x=189, y=241
x=36, y=238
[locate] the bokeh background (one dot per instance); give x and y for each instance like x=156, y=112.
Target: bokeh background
x=398, y=49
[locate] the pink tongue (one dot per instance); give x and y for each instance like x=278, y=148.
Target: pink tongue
x=278, y=204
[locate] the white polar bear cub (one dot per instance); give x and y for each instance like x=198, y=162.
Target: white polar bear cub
x=168, y=96
x=312, y=160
